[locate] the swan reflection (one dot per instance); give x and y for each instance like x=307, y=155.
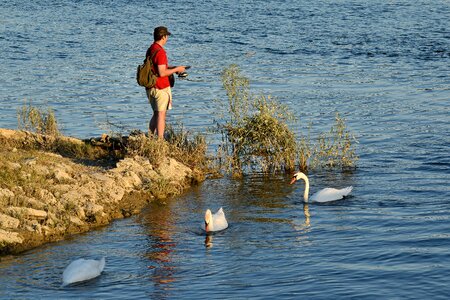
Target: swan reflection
x=208, y=241
x=304, y=226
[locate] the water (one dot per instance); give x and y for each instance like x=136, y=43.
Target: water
x=383, y=66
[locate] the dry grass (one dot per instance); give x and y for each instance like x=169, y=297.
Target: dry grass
x=36, y=120
x=187, y=148
x=178, y=144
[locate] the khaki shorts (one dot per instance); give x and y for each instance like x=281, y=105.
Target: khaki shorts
x=159, y=99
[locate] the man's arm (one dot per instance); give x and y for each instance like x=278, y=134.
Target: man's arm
x=164, y=71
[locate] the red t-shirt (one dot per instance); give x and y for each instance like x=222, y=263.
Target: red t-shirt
x=160, y=58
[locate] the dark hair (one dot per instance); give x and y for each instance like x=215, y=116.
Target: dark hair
x=160, y=32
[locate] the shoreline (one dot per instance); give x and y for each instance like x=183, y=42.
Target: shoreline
x=46, y=197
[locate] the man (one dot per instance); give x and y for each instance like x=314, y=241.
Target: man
x=160, y=96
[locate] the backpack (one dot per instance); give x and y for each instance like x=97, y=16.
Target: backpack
x=145, y=74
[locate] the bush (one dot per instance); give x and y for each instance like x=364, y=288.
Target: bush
x=255, y=135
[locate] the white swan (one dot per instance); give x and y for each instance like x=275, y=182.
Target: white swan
x=215, y=222
x=324, y=195
x=82, y=269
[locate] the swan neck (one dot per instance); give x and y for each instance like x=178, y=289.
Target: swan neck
x=306, y=194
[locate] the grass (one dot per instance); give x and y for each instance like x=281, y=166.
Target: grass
x=178, y=144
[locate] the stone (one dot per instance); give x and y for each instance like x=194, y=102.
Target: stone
x=5, y=193
x=174, y=170
x=8, y=222
x=27, y=212
x=76, y=221
x=7, y=237
x=62, y=176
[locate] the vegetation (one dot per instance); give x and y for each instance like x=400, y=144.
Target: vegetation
x=178, y=144
x=335, y=148
x=255, y=135
x=33, y=119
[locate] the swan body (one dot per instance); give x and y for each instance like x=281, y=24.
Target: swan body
x=324, y=195
x=82, y=269
x=215, y=222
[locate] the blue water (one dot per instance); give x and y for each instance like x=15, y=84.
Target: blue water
x=383, y=65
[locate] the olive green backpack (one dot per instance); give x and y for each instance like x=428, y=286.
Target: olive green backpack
x=145, y=74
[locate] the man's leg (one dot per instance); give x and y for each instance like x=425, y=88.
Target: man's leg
x=160, y=123
x=152, y=124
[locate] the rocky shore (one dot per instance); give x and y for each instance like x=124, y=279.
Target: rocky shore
x=45, y=197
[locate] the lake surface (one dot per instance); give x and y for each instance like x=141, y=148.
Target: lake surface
x=384, y=66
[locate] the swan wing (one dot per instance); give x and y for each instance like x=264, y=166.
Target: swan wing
x=82, y=269
x=331, y=194
x=219, y=220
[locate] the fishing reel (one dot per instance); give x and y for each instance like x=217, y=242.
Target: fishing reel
x=184, y=74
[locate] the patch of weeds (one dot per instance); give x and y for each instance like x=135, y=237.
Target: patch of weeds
x=336, y=147
x=156, y=150
x=161, y=188
x=190, y=150
x=36, y=120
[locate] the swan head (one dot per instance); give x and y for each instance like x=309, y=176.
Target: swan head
x=298, y=176
x=208, y=219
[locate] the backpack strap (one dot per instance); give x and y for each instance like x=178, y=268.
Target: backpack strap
x=153, y=54
x=151, y=57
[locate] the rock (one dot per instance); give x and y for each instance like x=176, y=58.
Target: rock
x=7, y=237
x=46, y=196
x=5, y=193
x=14, y=166
x=80, y=213
x=41, y=169
x=61, y=176
x=26, y=212
x=93, y=211
x=8, y=222
x=76, y=221
x=31, y=202
x=174, y=170
x=131, y=180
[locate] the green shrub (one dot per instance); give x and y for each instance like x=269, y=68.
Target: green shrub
x=255, y=135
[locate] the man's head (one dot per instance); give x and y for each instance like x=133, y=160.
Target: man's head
x=160, y=32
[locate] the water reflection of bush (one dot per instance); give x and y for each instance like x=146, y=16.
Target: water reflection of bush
x=160, y=227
